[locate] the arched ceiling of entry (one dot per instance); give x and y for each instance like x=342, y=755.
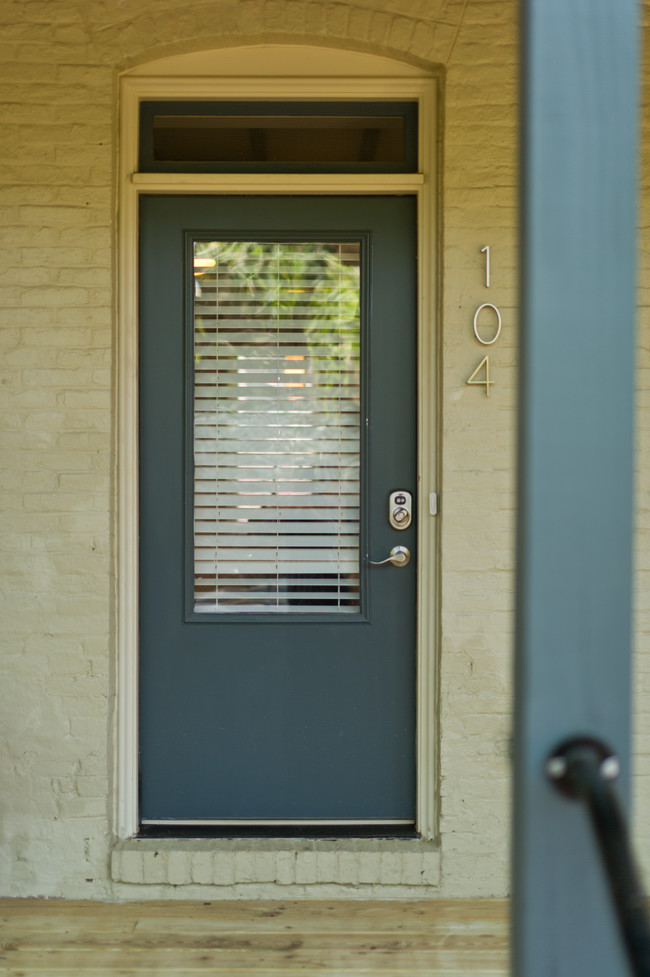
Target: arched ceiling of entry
x=130, y=32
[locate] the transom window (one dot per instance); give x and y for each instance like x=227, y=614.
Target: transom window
x=345, y=137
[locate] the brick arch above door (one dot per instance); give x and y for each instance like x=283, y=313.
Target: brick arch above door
x=423, y=35
x=256, y=61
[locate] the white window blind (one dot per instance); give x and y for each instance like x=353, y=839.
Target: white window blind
x=276, y=426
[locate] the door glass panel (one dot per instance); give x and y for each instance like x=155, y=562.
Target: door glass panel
x=276, y=426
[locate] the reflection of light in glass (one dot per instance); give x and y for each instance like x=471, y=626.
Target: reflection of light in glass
x=202, y=264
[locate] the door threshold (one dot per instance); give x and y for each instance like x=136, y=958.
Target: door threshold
x=279, y=829
x=270, y=822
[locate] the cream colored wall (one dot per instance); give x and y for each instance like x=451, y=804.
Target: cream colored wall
x=478, y=442
x=58, y=71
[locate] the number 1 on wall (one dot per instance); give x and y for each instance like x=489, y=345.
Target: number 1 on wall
x=486, y=251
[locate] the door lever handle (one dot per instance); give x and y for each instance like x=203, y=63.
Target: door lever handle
x=399, y=556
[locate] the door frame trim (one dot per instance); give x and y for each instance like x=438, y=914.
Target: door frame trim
x=130, y=184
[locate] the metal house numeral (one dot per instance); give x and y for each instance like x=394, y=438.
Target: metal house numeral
x=475, y=381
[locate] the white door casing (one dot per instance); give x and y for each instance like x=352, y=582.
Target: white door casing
x=274, y=72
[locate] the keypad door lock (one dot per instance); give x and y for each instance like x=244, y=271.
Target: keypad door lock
x=400, y=509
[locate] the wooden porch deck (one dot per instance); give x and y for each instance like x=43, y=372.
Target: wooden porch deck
x=41, y=938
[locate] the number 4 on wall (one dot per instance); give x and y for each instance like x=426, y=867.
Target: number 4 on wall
x=476, y=381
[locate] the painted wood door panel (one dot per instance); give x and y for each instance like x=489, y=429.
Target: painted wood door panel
x=289, y=716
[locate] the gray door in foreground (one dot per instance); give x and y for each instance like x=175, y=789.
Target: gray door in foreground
x=577, y=387
x=277, y=415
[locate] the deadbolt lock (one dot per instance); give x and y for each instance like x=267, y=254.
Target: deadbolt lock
x=400, y=509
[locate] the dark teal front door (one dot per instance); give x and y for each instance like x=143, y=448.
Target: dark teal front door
x=277, y=415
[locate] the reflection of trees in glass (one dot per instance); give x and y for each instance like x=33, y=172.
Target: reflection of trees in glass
x=313, y=284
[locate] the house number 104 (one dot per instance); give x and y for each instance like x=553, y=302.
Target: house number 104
x=481, y=375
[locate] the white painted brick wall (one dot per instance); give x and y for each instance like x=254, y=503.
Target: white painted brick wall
x=262, y=868
x=480, y=194
x=58, y=65
x=55, y=329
